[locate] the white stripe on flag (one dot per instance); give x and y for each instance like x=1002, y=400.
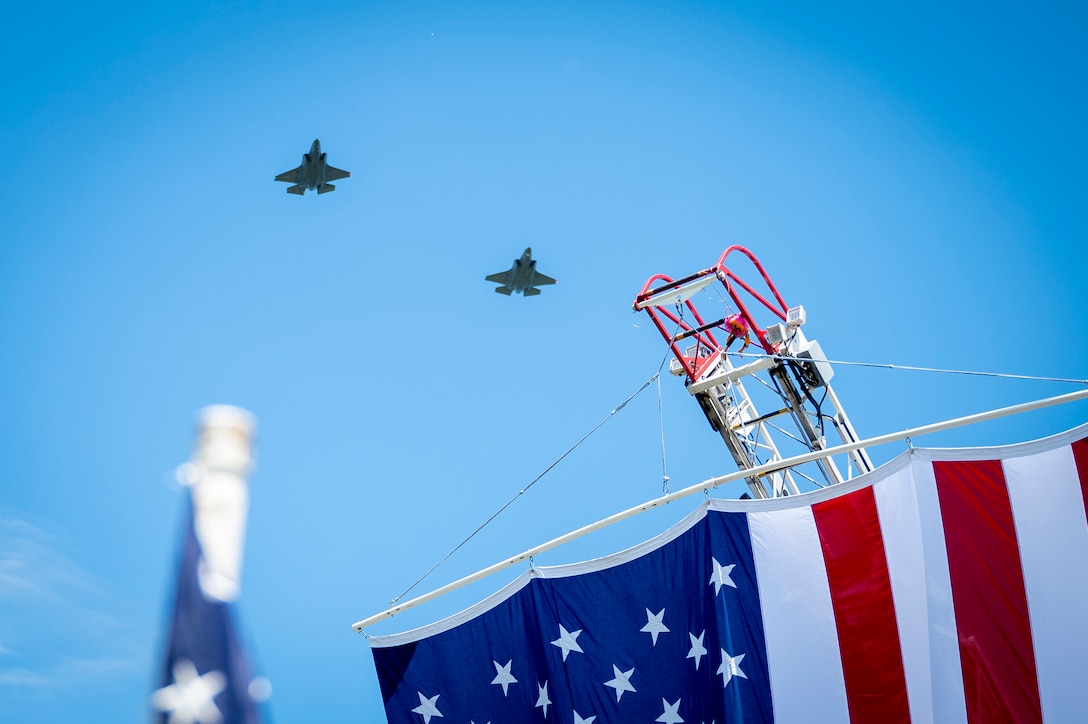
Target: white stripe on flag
x=1052, y=533
x=802, y=642
x=945, y=671
x=897, y=508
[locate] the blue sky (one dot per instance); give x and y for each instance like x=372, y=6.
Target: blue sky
x=913, y=174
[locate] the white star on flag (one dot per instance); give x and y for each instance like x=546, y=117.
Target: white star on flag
x=504, y=677
x=730, y=667
x=671, y=715
x=191, y=698
x=543, y=701
x=654, y=625
x=697, y=651
x=720, y=576
x=579, y=720
x=621, y=682
x=567, y=642
x=427, y=707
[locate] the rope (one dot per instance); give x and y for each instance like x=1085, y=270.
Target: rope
x=661, y=410
x=910, y=368
x=661, y=420
x=638, y=326
x=647, y=383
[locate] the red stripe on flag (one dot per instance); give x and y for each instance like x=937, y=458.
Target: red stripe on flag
x=996, y=651
x=861, y=596
x=1080, y=455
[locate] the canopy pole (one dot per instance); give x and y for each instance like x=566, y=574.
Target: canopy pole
x=715, y=482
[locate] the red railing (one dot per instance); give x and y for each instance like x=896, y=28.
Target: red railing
x=696, y=329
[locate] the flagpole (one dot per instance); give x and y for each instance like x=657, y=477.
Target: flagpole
x=222, y=461
x=711, y=483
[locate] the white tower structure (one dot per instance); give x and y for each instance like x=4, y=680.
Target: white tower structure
x=789, y=377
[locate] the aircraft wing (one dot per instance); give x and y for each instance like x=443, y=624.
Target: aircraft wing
x=539, y=279
x=335, y=174
x=291, y=176
x=499, y=278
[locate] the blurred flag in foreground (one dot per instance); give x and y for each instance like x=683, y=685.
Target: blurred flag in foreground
x=948, y=585
x=206, y=676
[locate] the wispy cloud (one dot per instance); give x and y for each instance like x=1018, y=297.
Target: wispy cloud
x=70, y=671
x=25, y=679
x=103, y=666
x=40, y=585
x=31, y=565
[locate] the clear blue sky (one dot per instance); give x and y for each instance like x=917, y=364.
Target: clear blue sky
x=913, y=174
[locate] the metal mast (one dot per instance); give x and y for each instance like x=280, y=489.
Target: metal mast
x=791, y=379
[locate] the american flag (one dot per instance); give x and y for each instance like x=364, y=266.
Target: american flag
x=949, y=585
x=205, y=678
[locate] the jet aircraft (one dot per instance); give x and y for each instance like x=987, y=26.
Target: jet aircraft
x=521, y=277
x=313, y=173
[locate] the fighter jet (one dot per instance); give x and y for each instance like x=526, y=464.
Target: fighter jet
x=314, y=173
x=521, y=277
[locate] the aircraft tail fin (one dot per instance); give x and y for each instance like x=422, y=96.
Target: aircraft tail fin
x=532, y=292
x=325, y=188
x=504, y=290
x=296, y=189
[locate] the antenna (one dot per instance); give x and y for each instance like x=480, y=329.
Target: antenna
x=792, y=378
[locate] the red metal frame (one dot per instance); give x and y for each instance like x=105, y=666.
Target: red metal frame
x=701, y=334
